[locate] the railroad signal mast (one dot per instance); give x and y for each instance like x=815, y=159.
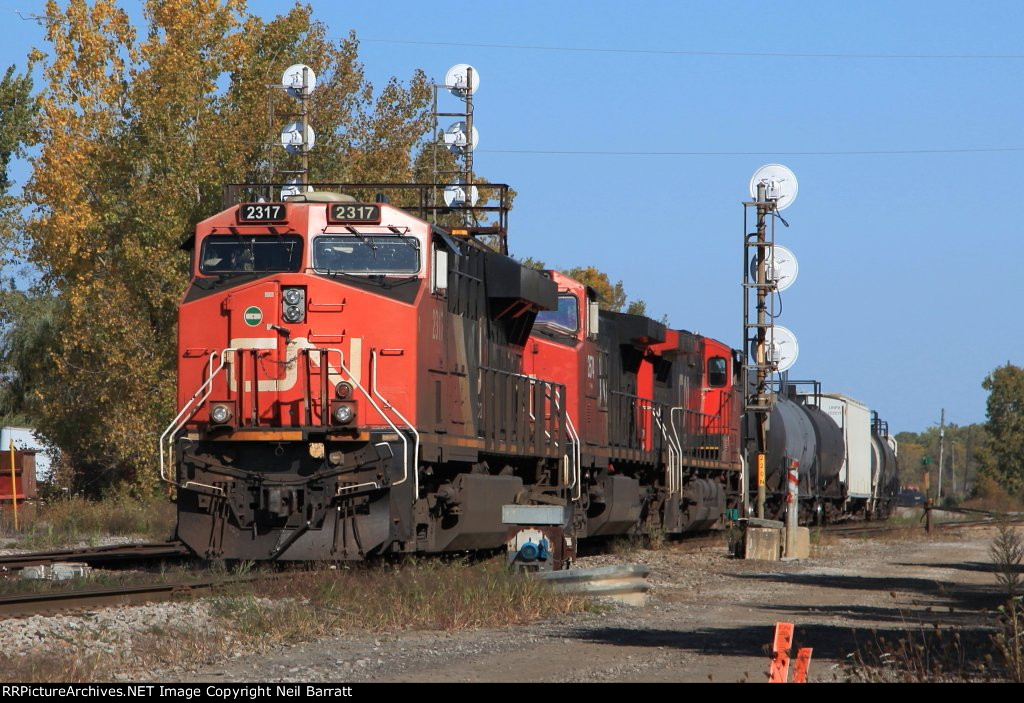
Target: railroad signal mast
x=768, y=348
x=298, y=137
x=460, y=139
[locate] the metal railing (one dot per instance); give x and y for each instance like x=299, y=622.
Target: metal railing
x=241, y=387
x=424, y=200
x=519, y=414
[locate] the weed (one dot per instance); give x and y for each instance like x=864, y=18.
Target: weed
x=627, y=547
x=1007, y=551
x=936, y=654
x=655, y=537
x=37, y=668
x=1008, y=640
x=922, y=654
x=76, y=520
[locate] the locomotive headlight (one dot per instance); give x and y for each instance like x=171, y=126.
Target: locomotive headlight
x=292, y=313
x=220, y=414
x=343, y=390
x=343, y=413
x=293, y=304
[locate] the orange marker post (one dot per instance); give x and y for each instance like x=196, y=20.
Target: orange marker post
x=14, y=487
x=803, y=663
x=779, y=671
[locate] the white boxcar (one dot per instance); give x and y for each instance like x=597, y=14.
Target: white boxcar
x=854, y=419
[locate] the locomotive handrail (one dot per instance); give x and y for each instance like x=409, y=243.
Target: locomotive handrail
x=325, y=360
x=405, y=442
x=574, y=440
x=674, y=473
x=179, y=420
x=675, y=433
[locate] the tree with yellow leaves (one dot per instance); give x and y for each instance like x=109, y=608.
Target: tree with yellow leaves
x=137, y=133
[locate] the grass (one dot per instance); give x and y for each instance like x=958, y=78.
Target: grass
x=431, y=595
x=314, y=603
x=77, y=520
x=923, y=654
x=937, y=654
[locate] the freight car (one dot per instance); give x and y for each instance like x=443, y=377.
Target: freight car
x=846, y=460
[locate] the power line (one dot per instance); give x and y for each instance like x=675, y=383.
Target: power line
x=867, y=152
x=695, y=52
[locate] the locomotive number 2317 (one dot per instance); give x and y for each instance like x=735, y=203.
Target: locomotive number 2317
x=262, y=212
x=351, y=213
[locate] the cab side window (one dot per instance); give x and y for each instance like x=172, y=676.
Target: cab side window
x=718, y=375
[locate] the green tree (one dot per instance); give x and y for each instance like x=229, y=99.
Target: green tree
x=17, y=113
x=138, y=131
x=612, y=295
x=1004, y=458
x=25, y=318
x=530, y=262
x=961, y=456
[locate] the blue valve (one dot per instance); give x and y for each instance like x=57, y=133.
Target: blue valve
x=529, y=551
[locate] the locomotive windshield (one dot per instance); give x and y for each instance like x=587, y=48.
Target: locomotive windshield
x=366, y=253
x=566, y=317
x=245, y=253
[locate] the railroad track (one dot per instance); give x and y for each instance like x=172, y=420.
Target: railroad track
x=99, y=556
x=23, y=604
x=878, y=528
x=47, y=602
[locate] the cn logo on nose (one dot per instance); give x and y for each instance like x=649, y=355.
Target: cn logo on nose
x=252, y=316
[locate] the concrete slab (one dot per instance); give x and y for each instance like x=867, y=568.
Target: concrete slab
x=764, y=543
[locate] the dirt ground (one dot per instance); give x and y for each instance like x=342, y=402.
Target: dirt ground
x=710, y=617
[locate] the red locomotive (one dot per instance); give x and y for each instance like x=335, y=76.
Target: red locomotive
x=355, y=380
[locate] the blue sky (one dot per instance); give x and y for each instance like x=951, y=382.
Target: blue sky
x=909, y=262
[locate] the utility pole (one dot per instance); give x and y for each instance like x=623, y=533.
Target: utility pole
x=942, y=441
x=952, y=468
x=967, y=456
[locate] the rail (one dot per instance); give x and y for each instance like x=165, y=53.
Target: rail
x=705, y=436
x=23, y=604
x=111, y=554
